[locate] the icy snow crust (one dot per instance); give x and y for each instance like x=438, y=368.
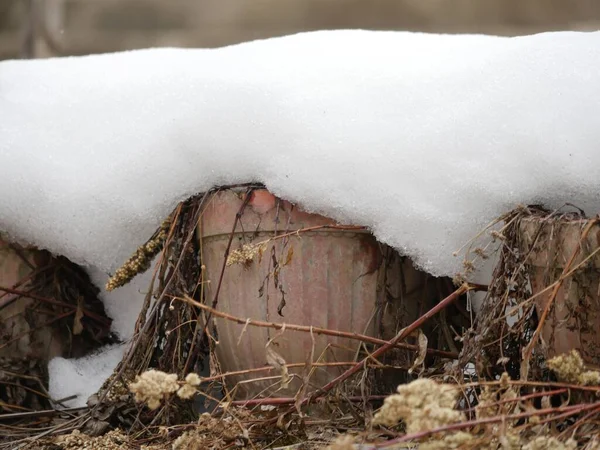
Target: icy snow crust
x=423, y=138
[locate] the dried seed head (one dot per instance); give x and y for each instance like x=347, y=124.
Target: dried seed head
x=422, y=404
x=153, y=386
x=246, y=253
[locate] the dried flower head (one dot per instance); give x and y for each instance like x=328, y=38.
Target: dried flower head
x=193, y=379
x=422, y=404
x=343, y=442
x=504, y=380
x=569, y=367
x=549, y=442
x=246, y=253
x=496, y=235
x=480, y=252
x=188, y=390
x=469, y=266
x=141, y=259
x=487, y=399
x=460, y=439
x=459, y=279
x=152, y=386
x=190, y=440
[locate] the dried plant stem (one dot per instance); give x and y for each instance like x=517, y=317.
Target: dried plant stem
x=51, y=301
x=565, y=274
x=543, y=384
x=290, y=400
x=561, y=412
x=289, y=366
x=522, y=398
x=41, y=413
x=405, y=332
x=41, y=325
x=316, y=330
x=551, y=286
x=314, y=228
x=238, y=216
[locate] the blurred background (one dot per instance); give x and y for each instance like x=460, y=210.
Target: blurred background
x=42, y=28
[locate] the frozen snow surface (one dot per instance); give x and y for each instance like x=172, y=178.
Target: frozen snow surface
x=82, y=377
x=123, y=305
x=423, y=138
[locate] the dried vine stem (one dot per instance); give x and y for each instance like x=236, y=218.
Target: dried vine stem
x=289, y=366
x=316, y=330
x=238, y=217
x=563, y=412
x=291, y=400
x=52, y=301
x=557, y=285
x=405, y=332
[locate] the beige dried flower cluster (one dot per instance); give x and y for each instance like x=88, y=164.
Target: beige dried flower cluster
x=210, y=433
x=117, y=389
x=570, y=368
x=550, y=443
x=246, y=253
x=141, y=259
x=422, y=404
x=153, y=386
x=189, y=388
x=496, y=402
x=113, y=440
x=460, y=439
x=191, y=440
x=343, y=442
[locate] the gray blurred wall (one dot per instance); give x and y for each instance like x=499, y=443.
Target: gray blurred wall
x=73, y=27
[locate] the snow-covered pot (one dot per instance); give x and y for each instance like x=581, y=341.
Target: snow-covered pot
x=574, y=320
x=340, y=279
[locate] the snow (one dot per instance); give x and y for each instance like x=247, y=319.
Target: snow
x=123, y=305
x=82, y=377
x=423, y=138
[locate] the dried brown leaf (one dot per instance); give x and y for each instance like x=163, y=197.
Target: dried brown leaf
x=288, y=258
x=282, y=303
x=420, y=359
x=276, y=361
x=306, y=373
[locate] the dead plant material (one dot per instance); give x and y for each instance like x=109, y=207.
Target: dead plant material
x=113, y=440
x=480, y=401
x=571, y=369
x=317, y=330
x=422, y=405
x=141, y=260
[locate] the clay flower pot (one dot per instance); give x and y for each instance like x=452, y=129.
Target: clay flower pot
x=574, y=321
x=341, y=279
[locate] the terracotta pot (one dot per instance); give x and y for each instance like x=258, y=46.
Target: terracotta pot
x=337, y=279
x=574, y=321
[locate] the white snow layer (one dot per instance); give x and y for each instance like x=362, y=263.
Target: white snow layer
x=82, y=377
x=123, y=305
x=423, y=138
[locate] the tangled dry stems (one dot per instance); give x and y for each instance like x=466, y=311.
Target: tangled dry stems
x=497, y=414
